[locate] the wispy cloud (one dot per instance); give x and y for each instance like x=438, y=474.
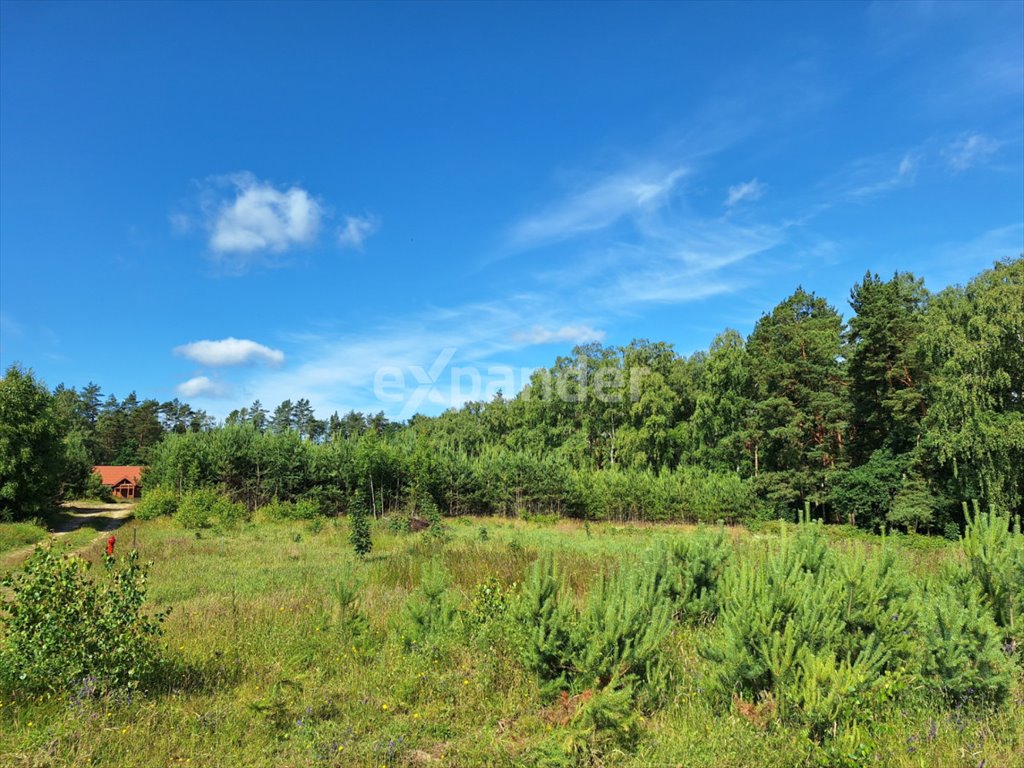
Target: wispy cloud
x=229, y=351
x=8, y=327
x=747, y=190
x=596, y=207
x=970, y=150
x=904, y=175
x=356, y=230
x=338, y=372
x=575, y=334
x=202, y=386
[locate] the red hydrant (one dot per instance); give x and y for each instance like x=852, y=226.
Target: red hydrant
x=110, y=546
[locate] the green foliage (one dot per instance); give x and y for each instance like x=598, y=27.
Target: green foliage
x=207, y=508
x=994, y=562
x=812, y=630
x=359, y=526
x=620, y=632
x=348, y=615
x=301, y=509
x=964, y=658
x=887, y=379
x=95, y=489
x=432, y=611
x=65, y=629
x=800, y=407
x=975, y=420
x=157, y=502
x=31, y=449
x=437, y=530
x=689, y=571
x=546, y=617
x=914, y=504
x=489, y=602
x=863, y=495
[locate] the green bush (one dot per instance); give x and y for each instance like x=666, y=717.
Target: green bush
x=157, y=502
x=545, y=617
x=302, y=509
x=95, y=489
x=964, y=659
x=620, y=632
x=359, y=526
x=433, y=609
x=813, y=630
x=66, y=630
x=994, y=562
x=207, y=508
x=691, y=569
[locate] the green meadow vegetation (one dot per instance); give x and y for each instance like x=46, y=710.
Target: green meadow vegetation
x=270, y=641
x=615, y=567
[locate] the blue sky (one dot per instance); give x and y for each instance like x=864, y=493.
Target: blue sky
x=349, y=201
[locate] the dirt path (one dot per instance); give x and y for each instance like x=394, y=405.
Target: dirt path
x=102, y=519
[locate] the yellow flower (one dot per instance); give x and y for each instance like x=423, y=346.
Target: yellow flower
x=465, y=682
x=416, y=716
x=384, y=706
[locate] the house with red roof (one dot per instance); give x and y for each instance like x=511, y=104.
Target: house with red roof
x=123, y=482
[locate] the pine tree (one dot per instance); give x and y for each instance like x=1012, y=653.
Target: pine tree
x=798, y=383
x=886, y=377
x=359, y=526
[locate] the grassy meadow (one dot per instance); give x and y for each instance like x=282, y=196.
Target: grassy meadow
x=266, y=666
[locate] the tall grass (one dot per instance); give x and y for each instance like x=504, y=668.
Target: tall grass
x=267, y=667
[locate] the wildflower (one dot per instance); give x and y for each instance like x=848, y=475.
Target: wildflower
x=110, y=546
x=384, y=707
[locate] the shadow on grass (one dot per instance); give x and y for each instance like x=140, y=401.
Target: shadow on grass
x=176, y=676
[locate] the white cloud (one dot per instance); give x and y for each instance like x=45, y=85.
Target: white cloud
x=229, y=351
x=260, y=218
x=747, y=190
x=356, y=230
x=970, y=150
x=576, y=334
x=598, y=206
x=202, y=386
x=904, y=176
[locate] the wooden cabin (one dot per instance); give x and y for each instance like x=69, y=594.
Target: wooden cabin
x=123, y=482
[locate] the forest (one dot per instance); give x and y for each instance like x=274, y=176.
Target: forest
x=898, y=416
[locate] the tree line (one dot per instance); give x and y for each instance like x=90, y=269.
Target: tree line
x=898, y=417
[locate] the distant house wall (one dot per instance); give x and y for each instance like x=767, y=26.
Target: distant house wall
x=123, y=482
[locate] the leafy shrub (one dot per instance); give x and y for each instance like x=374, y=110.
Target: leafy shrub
x=63, y=627
x=302, y=509
x=489, y=603
x=437, y=530
x=157, y=502
x=399, y=524
x=95, y=489
x=207, y=508
x=616, y=640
